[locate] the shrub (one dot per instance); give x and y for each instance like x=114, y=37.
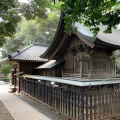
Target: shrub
x=6, y=79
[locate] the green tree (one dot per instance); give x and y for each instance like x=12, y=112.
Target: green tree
x=11, y=12
x=34, y=30
x=8, y=18
x=34, y=8
x=92, y=13
x=5, y=69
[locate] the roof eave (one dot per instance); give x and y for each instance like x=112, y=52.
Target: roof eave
x=53, y=45
x=105, y=44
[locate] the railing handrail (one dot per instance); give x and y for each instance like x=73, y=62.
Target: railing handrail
x=76, y=82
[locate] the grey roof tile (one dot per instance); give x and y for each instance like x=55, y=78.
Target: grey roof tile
x=111, y=38
x=30, y=53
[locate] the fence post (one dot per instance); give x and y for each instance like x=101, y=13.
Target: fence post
x=44, y=86
x=82, y=103
x=34, y=88
x=69, y=95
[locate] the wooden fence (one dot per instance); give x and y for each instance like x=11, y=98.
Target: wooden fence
x=76, y=103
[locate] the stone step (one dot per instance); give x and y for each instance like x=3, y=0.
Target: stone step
x=12, y=88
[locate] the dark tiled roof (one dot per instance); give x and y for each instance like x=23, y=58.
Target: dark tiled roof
x=111, y=38
x=30, y=53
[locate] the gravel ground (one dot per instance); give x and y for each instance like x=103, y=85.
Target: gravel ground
x=43, y=109
x=4, y=113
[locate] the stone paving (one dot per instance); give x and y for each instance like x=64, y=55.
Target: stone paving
x=24, y=108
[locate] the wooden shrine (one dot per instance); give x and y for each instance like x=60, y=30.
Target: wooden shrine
x=84, y=57
x=87, y=86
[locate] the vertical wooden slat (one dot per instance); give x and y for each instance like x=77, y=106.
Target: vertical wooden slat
x=25, y=86
x=78, y=106
x=47, y=93
x=99, y=102
x=44, y=91
x=58, y=98
x=95, y=107
x=61, y=99
x=75, y=105
x=107, y=102
x=117, y=102
x=113, y=110
x=34, y=88
x=50, y=99
x=39, y=91
x=68, y=100
x=53, y=97
x=72, y=104
x=111, y=102
x=66, y=93
x=82, y=103
x=102, y=104
x=86, y=106
x=91, y=107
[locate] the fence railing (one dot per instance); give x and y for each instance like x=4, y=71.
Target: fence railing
x=78, y=103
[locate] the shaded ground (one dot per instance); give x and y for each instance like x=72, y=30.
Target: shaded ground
x=4, y=113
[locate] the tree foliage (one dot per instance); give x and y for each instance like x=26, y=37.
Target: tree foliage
x=5, y=69
x=11, y=12
x=8, y=18
x=34, y=8
x=34, y=30
x=92, y=13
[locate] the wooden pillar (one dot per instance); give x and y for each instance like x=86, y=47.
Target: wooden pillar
x=90, y=70
x=44, y=86
x=19, y=87
x=25, y=85
x=15, y=78
x=74, y=64
x=58, y=101
x=34, y=88
x=115, y=67
x=81, y=68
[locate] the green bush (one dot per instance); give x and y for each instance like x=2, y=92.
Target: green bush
x=5, y=69
x=6, y=79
